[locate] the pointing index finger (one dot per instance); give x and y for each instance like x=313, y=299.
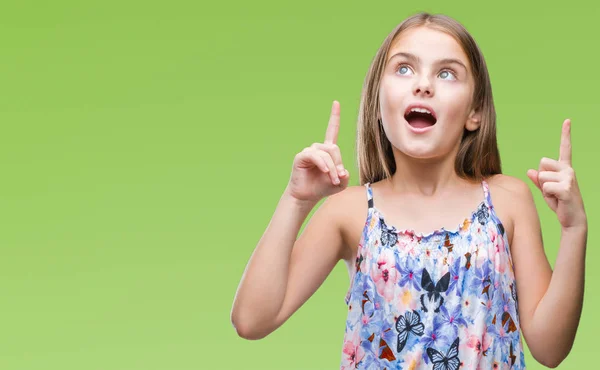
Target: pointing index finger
x=565, y=143
x=334, y=124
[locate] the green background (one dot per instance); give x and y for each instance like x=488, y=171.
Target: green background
x=145, y=145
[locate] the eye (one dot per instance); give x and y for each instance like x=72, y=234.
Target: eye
x=447, y=72
x=403, y=69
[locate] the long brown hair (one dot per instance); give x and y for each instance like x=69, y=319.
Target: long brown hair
x=478, y=155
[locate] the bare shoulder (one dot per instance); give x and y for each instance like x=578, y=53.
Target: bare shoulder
x=350, y=209
x=508, y=194
x=348, y=198
x=509, y=185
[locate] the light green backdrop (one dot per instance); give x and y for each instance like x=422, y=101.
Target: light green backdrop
x=144, y=146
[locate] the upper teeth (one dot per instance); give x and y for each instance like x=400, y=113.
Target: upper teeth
x=421, y=110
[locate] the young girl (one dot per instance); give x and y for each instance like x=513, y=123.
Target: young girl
x=422, y=295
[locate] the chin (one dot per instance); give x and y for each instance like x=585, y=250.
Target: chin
x=420, y=152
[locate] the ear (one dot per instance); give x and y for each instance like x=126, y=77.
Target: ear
x=474, y=121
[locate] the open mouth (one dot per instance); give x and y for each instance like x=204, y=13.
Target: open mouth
x=420, y=117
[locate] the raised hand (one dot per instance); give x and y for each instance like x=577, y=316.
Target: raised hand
x=557, y=181
x=318, y=170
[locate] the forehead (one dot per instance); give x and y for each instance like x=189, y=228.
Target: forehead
x=428, y=44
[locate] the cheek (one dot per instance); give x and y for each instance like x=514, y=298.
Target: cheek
x=457, y=109
x=455, y=115
x=392, y=94
x=456, y=100
x=392, y=132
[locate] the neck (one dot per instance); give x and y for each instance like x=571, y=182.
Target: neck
x=425, y=177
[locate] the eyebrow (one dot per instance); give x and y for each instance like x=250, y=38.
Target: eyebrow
x=417, y=60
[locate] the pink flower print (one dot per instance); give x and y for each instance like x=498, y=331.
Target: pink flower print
x=474, y=343
x=353, y=353
x=365, y=320
x=410, y=249
x=492, y=230
x=385, y=275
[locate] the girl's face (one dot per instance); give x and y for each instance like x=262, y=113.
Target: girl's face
x=426, y=68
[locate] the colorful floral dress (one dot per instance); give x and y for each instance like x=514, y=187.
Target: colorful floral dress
x=444, y=300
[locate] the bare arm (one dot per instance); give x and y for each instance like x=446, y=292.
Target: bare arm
x=551, y=302
x=284, y=271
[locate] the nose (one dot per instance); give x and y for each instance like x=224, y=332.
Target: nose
x=423, y=87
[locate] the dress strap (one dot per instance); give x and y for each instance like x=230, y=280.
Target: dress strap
x=486, y=193
x=492, y=211
x=369, y=194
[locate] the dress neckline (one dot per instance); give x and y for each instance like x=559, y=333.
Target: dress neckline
x=484, y=205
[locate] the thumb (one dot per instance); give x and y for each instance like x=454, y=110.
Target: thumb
x=344, y=179
x=533, y=176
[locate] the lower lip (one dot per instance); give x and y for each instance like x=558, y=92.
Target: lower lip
x=419, y=130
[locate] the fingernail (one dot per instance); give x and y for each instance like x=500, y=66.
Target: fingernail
x=336, y=181
x=340, y=168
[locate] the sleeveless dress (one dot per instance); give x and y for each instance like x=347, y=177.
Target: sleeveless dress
x=444, y=300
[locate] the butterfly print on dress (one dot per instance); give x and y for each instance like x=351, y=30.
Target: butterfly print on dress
x=411, y=295
x=389, y=236
x=433, y=290
x=482, y=213
x=409, y=323
x=448, y=362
